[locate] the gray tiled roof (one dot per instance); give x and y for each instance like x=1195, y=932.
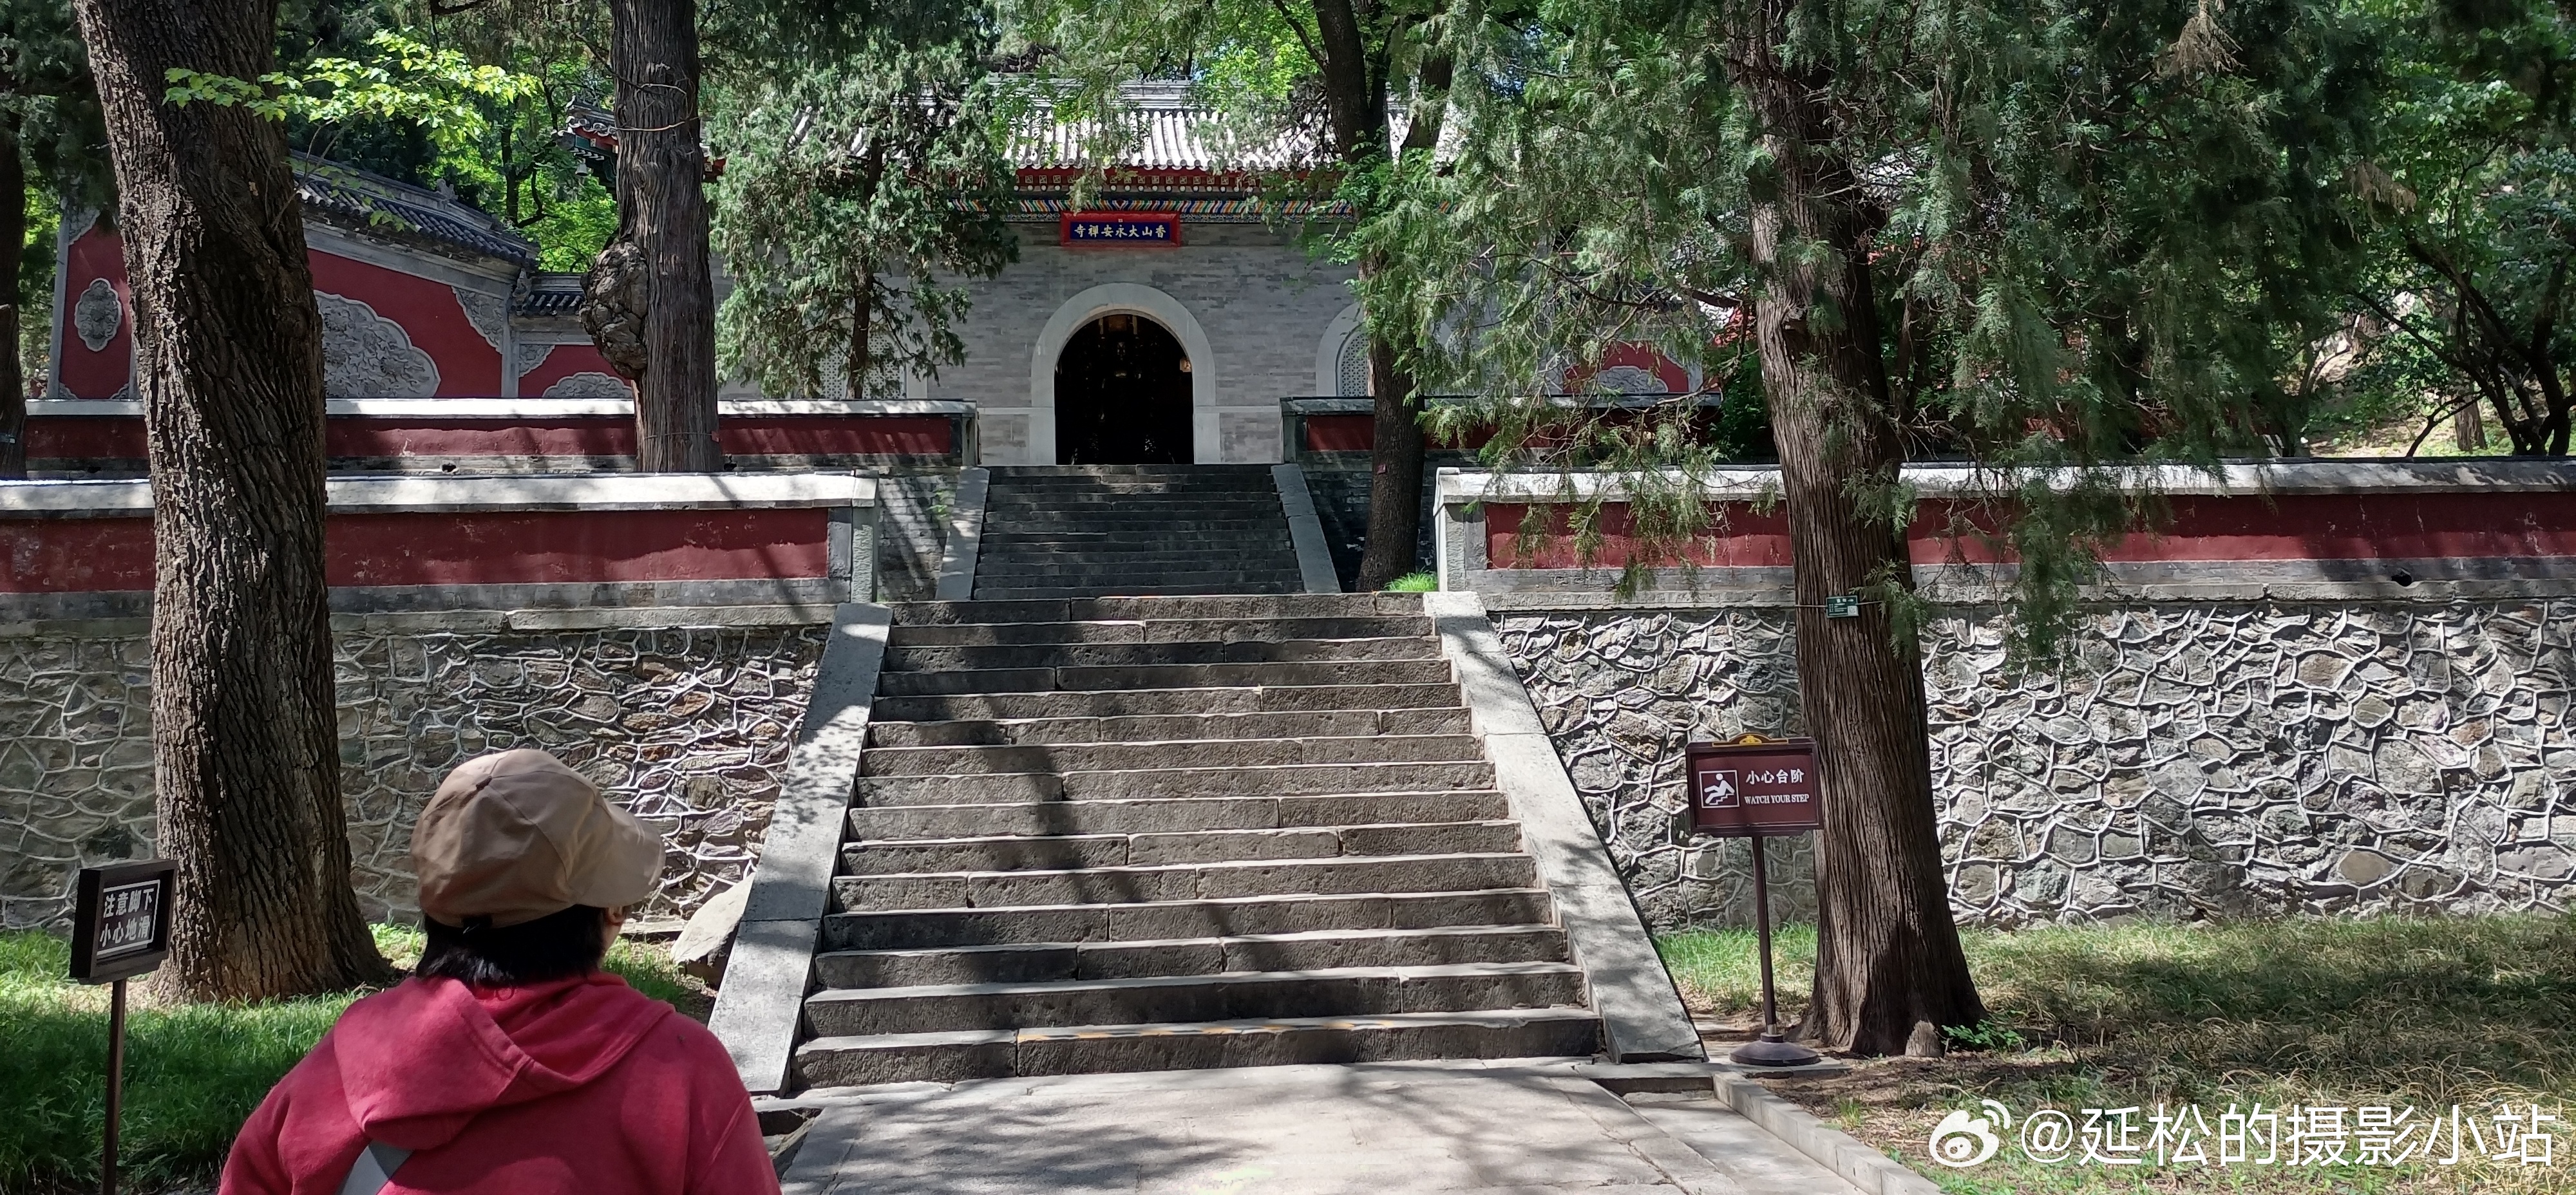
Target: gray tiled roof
x=1158, y=125
x=374, y=203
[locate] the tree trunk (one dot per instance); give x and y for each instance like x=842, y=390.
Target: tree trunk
x=13, y=242
x=228, y=363
x=661, y=196
x=1395, y=473
x=1355, y=106
x=1887, y=952
x=861, y=330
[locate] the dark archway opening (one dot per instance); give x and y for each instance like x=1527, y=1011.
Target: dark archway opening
x=1122, y=395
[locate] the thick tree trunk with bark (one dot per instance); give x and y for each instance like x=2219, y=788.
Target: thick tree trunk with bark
x=1355, y=106
x=13, y=241
x=1395, y=473
x=228, y=363
x=1888, y=958
x=662, y=209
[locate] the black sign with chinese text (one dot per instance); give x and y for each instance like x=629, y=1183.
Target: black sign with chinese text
x=121, y=919
x=1754, y=789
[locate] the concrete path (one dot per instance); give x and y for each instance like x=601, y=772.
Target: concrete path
x=1311, y=1130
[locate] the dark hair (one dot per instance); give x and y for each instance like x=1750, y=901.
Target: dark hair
x=555, y=946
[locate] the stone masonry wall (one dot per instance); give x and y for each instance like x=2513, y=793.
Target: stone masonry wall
x=2191, y=759
x=687, y=727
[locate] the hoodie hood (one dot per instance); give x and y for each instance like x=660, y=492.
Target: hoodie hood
x=420, y=1061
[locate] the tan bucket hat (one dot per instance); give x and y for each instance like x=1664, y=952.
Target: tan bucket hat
x=517, y=835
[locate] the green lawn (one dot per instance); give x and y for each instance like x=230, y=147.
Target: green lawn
x=2316, y=1012
x=192, y=1074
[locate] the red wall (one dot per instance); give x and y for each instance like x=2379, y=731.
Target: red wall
x=120, y=438
x=2400, y=526
x=468, y=548
x=563, y=362
x=100, y=374
x=468, y=365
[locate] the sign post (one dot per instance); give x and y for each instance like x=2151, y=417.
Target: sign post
x=120, y=929
x=1758, y=788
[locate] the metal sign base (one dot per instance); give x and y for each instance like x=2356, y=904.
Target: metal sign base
x=1772, y=1048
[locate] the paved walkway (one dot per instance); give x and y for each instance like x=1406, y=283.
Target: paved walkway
x=1311, y=1130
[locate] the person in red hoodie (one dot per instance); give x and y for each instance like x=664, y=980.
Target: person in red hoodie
x=509, y=1064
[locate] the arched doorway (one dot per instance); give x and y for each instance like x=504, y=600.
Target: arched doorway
x=1122, y=395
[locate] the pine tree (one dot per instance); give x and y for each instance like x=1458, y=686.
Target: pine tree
x=2052, y=237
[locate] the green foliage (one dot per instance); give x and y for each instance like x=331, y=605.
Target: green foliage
x=1414, y=583
x=433, y=89
x=2473, y=186
x=2428, y=1011
x=36, y=284
x=857, y=196
x=572, y=230
x=2091, y=240
x=193, y=1073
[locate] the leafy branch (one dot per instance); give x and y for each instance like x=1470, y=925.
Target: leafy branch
x=438, y=90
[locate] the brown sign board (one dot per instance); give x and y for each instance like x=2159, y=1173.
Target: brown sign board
x=1754, y=789
x=121, y=919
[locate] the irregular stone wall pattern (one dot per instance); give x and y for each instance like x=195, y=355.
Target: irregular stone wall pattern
x=2189, y=759
x=688, y=728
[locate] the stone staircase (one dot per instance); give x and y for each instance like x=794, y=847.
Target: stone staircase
x=1060, y=531
x=1146, y=833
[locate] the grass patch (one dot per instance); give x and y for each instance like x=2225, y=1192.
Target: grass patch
x=2310, y=1011
x=193, y=1073
x=1414, y=583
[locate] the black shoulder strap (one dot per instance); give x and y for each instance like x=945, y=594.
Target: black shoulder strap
x=375, y=1168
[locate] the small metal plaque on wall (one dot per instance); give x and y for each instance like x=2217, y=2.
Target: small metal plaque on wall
x=1160, y=229
x=121, y=919
x=1754, y=787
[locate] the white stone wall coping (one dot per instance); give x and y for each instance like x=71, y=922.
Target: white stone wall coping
x=1642, y=1016
x=2244, y=478
x=462, y=493
x=531, y=408
x=761, y=1005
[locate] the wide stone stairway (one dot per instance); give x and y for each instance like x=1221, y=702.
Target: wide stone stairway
x=1053, y=531
x=1143, y=833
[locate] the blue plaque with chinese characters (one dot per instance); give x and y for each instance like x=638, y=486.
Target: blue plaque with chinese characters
x=1132, y=229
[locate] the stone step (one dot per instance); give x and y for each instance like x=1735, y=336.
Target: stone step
x=1099, y=655
x=1193, y=630
x=1133, y=499
x=1240, y=550
x=1019, y=472
x=1205, y=558
x=1317, y=779
x=985, y=732
x=1299, y=605
x=1047, y=962
x=1162, y=676
x=1192, y=521
x=1058, y=759
x=1020, y=852
x=1173, y=815
x=1183, y=881
x=1144, y=921
x=1271, y=1041
x=1027, y=575
x=1180, y=569
x=1209, y=589
x=1137, y=540
x=1110, y=703
x=1340, y=991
